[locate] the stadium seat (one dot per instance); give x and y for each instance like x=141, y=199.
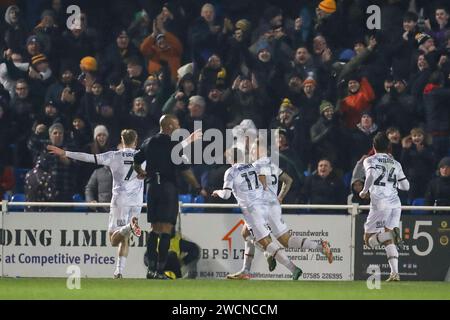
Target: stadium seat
x=79, y=198
x=347, y=179
x=306, y=173
x=199, y=199
x=186, y=198
x=6, y=196
x=19, y=175
x=418, y=202
x=17, y=197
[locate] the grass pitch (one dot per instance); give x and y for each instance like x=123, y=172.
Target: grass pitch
x=30, y=288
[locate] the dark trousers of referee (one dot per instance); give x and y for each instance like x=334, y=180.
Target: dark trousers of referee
x=162, y=204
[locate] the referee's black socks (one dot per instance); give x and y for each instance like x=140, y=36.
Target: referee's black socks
x=163, y=250
x=152, y=243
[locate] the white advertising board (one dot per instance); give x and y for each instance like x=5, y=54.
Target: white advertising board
x=46, y=244
x=222, y=246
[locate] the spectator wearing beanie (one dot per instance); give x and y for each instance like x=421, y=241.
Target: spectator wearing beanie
x=405, y=45
x=48, y=33
x=33, y=47
x=99, y=144
x=210, y=73
x=80, y=132
x=215, y=102
x=265, y=67
x=116, y=54
x=66, y=91
x=157, y=92
x=329, y=24
x=135, y=78
x=205, y=36
x=397, y=108
x=438, y=191
x=179, y=100
x=246, y=101
x=40, y=76
x=359, y=99
x=88, y=64
x=162, y=45
x=328, y=139
x=291, y=121
x=60, y=168
x=14, y=31
x=309, y=102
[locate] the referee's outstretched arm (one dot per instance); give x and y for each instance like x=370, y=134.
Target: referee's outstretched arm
x=190, y=178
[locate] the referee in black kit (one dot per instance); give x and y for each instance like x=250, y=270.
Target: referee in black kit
x=162, y=196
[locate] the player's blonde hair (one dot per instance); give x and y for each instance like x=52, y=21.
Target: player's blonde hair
x=129, y=136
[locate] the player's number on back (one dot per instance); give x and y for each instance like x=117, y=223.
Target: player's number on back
x=391, y=177
x=130, y=172
x=249, y=183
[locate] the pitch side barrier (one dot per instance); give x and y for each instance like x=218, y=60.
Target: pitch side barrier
x=45, y=244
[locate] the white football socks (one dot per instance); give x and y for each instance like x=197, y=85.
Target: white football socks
x=303, y=243
x=379, y=238
x=249, y=254
x=120, y=265
x=392, y=255
x=279, y=255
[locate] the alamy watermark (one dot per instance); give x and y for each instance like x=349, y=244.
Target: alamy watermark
x=252, y=143
x=374, y=280
x=74, y=278
x=374, y=20
x=74, y=21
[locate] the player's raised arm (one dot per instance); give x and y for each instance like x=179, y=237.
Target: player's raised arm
x=285, y=187
x=225, y=193
x=102, y=158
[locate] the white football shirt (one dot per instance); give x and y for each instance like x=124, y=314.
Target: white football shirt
x=127, y=190
x=388, y=172
x=272, y=172
x=242, y=180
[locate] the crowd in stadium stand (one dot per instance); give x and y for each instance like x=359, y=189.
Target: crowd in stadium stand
x=311, y=68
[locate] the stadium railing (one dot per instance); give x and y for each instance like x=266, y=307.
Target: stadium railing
x=354, y=210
